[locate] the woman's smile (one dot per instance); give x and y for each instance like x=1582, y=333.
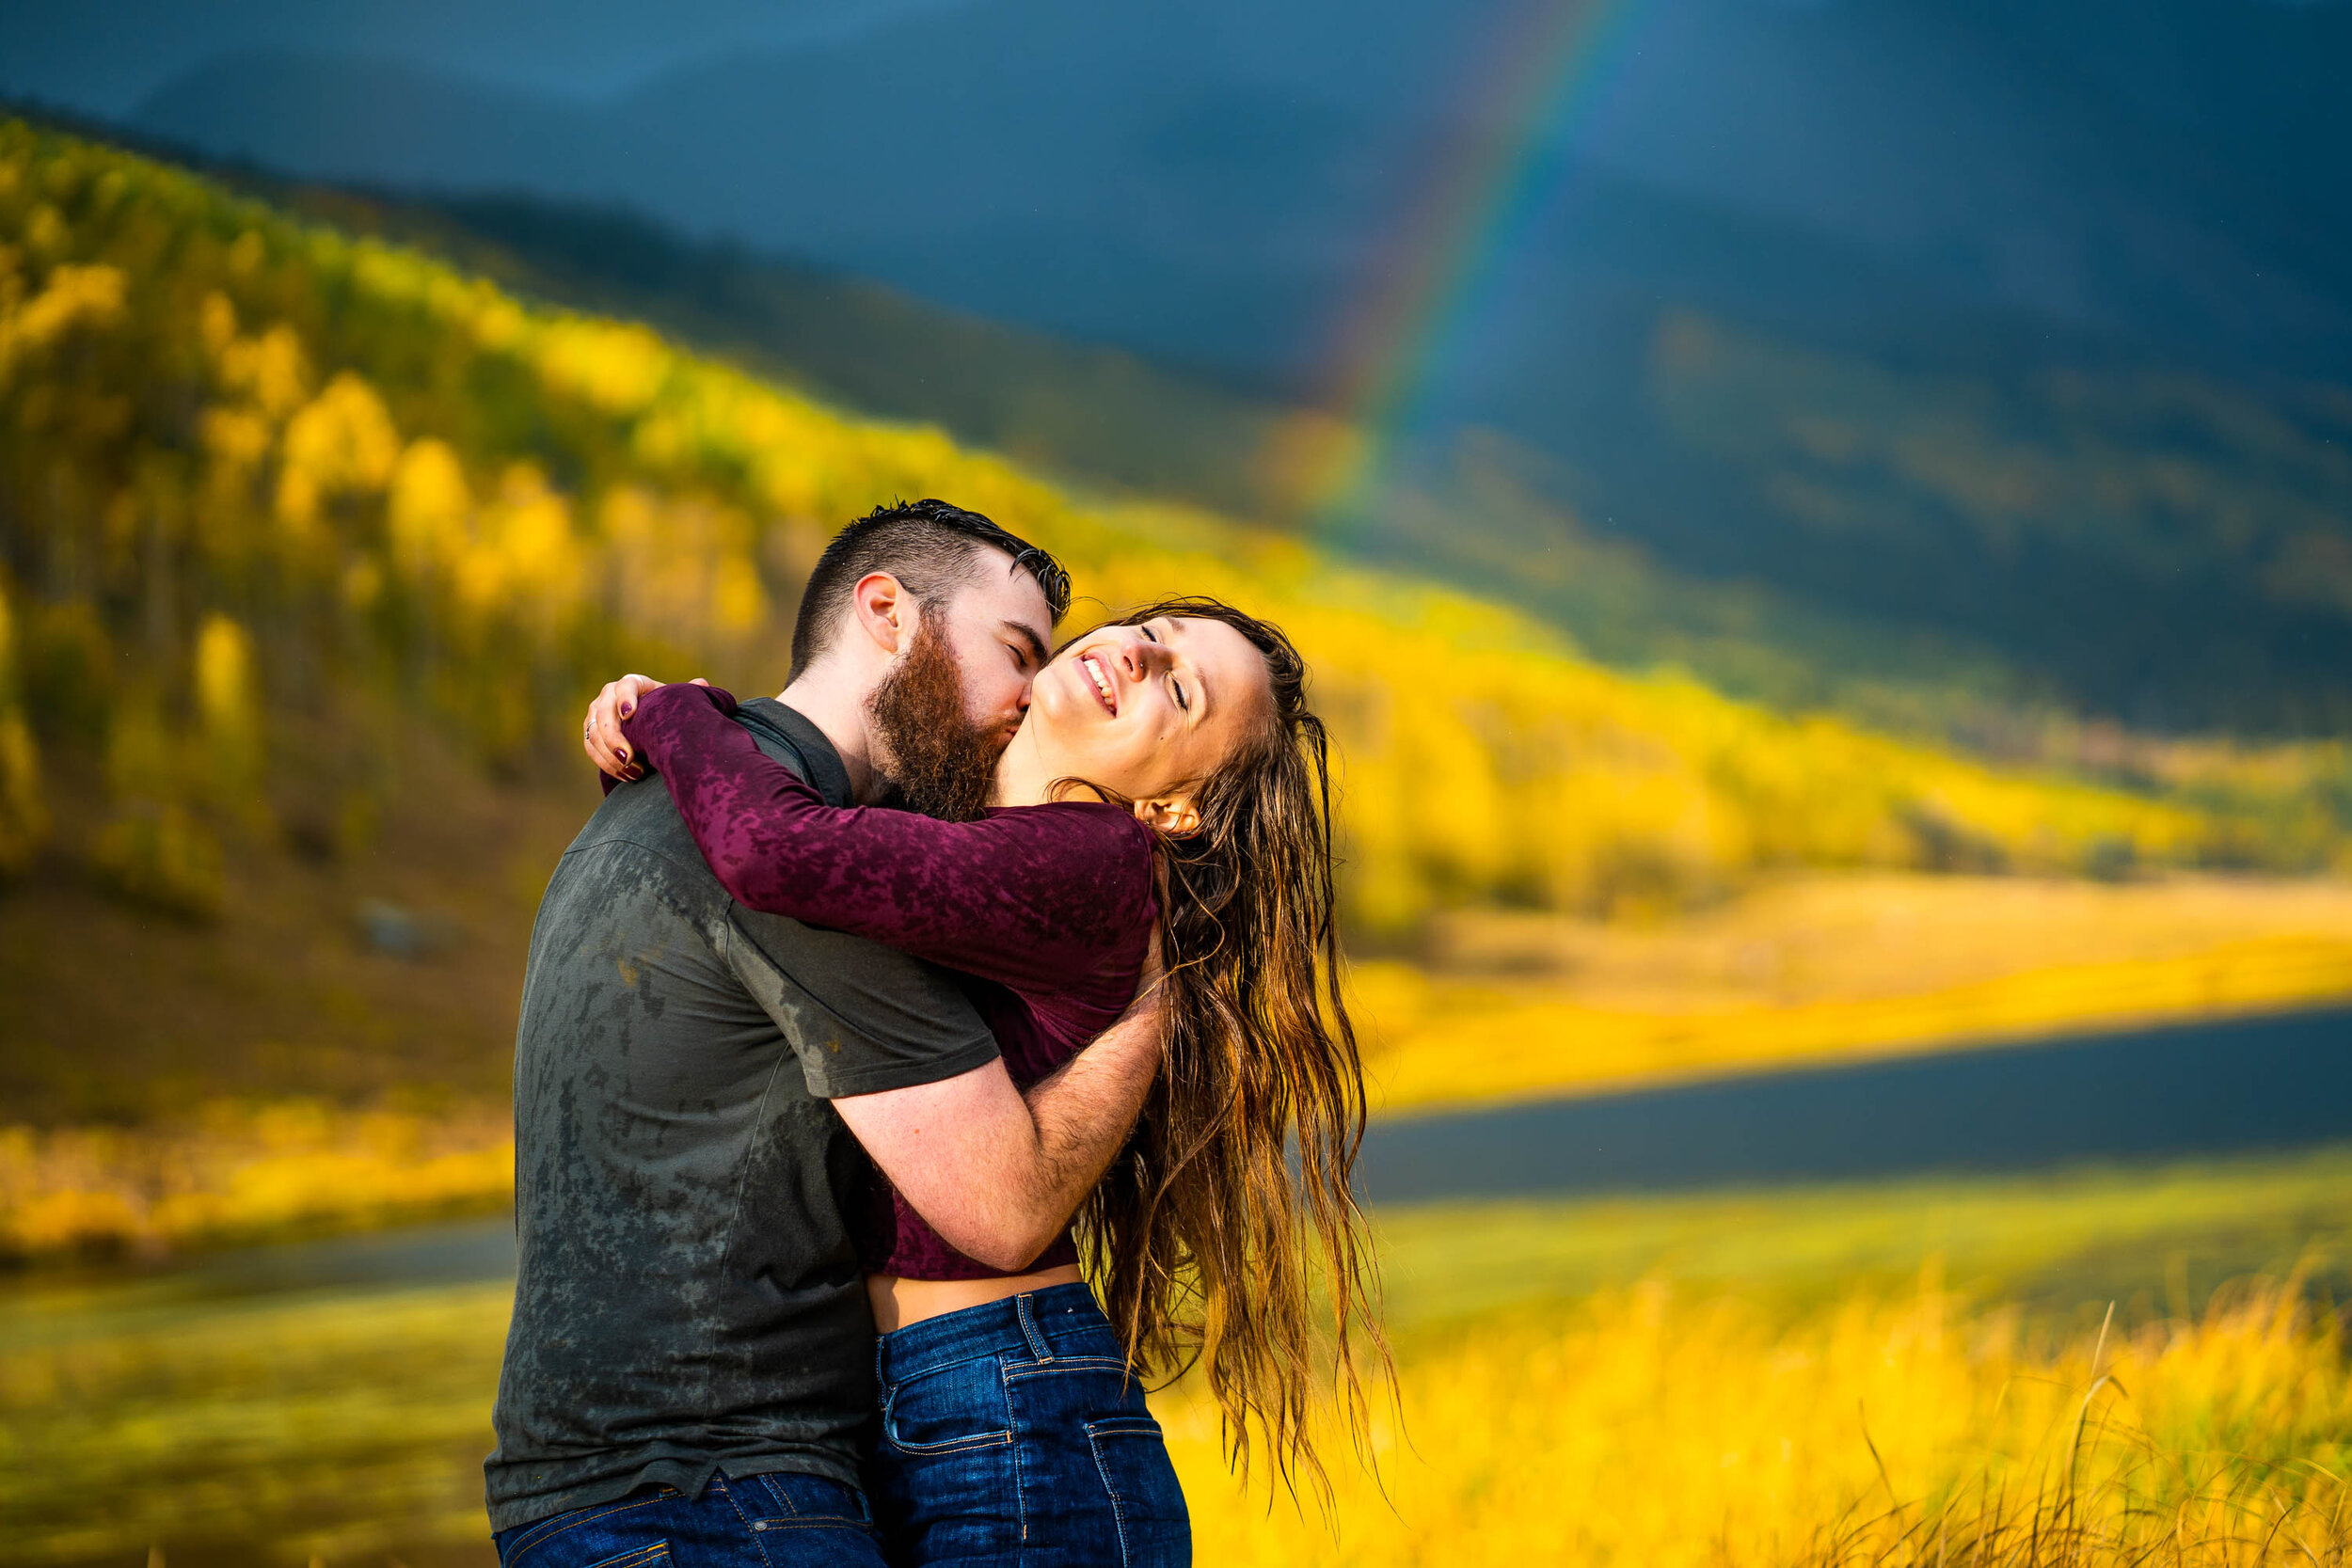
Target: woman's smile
x=1106, y=690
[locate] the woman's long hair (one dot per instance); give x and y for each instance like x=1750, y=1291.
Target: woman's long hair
x=1227, y=1235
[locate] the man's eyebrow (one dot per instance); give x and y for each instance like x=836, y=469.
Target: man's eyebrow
x=1027, y=635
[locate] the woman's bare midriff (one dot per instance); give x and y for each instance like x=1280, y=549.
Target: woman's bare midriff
x=900, y=1301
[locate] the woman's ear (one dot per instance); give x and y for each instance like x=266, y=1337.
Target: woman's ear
x=1175, y=815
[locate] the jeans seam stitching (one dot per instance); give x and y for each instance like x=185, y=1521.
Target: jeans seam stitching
x=1020, y=1468
x=918, y=1373
x=956, y=1445
x=1070, y=1364
x=1119, y=1504
x=539, y=1541
x=720, y=1481
x=1038, y=1345
x=953, y=1445
x=639, y=1558
x=793, y=1518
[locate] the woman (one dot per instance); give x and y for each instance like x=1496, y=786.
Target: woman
x=1168, y=781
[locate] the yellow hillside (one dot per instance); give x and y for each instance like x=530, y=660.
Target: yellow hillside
x=260, y=470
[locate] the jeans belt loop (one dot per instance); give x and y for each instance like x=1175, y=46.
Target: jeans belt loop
x=1037, y=1347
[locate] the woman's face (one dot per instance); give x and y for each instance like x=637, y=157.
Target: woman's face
x=1149, y=710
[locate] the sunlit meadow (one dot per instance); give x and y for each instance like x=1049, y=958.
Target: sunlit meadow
x=1646, y=1426
x=1907, y=1372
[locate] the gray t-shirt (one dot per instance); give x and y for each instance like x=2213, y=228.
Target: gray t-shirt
x=689, y=1296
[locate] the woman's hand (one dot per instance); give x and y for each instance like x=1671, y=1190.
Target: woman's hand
x=600, y=736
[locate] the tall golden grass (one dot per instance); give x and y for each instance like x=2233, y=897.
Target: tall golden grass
x=1644, y=1427
x=1757, y=1379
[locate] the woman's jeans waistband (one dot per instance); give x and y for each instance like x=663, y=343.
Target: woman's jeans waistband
x=1029, y=1327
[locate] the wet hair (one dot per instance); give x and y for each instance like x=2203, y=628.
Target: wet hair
x=931, y=547
x=1229, y=1225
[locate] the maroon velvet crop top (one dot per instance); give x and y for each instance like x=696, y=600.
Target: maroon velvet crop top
x=1049, y=908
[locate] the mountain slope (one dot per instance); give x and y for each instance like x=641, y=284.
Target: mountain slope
x=1999, y=543
x=263, y=483
x=1956, y=209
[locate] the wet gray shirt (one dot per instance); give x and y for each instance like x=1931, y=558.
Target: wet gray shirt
x=689, y=1297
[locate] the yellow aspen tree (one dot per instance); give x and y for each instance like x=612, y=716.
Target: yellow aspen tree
x=24, y=814
x=230, y=714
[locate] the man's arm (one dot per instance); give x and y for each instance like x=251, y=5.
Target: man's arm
x=998, y=1173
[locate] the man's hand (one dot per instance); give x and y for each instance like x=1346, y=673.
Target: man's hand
x=600, y=734
x=998, y=1173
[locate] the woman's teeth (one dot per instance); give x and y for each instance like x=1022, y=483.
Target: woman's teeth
x=1101, y=682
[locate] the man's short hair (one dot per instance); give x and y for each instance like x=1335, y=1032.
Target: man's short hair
x=932, y=549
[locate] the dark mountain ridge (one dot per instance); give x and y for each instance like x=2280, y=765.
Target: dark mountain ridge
x=1214, y=179
x=1958, y=208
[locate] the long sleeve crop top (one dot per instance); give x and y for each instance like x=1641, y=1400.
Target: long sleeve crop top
x=1051, y=907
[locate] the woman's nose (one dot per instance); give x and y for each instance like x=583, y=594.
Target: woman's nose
x=1141, y=657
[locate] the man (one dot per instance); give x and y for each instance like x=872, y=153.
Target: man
x=691, y=1361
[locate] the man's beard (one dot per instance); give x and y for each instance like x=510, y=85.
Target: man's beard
x=937, y=760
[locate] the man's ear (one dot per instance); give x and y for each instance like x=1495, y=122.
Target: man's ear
x=884, y=610
x=1175, y=815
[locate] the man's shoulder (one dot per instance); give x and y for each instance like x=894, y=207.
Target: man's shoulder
x=792, y=738
x=641, y=813
x=636, y=849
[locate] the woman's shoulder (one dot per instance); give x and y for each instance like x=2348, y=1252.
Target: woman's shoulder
x=1097, y=822
x=1088, y=851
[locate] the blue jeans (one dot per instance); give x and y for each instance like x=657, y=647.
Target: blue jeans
x=773, y=1521
x=1012, y=1433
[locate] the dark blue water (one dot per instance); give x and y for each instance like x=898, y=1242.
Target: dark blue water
x=2147, y=1094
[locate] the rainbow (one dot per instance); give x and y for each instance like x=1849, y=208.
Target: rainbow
x=1534, y=75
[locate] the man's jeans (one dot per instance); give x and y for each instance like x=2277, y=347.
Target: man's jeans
x=772, y=1521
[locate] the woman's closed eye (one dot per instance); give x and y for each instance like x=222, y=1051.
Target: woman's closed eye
x=1174, y=685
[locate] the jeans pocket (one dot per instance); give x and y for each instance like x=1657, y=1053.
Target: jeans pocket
x=948, y=1410
x=639, y=1557
x=787, y=1499
x=947, y=1483
x=1155, y=1528
x=588, y=1537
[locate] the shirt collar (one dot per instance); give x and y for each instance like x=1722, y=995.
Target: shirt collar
x=820, y=759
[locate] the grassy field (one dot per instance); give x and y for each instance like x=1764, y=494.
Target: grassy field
x=1524, y=1005
x=1648, y=1427
x=1656, y=1381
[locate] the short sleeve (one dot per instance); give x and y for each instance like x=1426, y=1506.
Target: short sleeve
x=861, y=1017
